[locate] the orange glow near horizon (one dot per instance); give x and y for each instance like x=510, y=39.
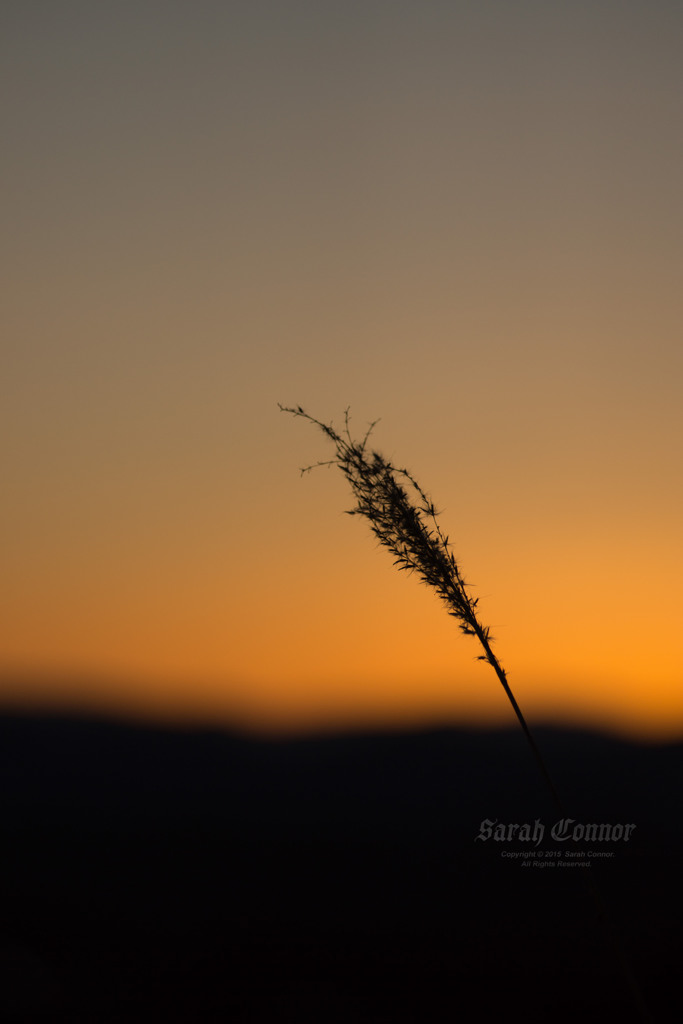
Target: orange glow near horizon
x=355, y=645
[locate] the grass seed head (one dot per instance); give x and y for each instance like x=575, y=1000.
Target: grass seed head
x=402, y=517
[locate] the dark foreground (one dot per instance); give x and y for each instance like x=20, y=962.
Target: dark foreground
x=150, y=874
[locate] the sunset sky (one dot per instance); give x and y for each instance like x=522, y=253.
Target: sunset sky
x=465, y=218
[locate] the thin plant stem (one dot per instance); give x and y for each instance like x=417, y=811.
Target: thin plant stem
x=500, y=672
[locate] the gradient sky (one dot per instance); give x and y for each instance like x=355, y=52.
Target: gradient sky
x=463, y=218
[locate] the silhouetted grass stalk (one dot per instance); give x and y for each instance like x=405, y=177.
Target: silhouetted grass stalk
x=405, y=520
x=411, y=531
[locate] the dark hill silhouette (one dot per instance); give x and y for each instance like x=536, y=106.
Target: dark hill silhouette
x=198, y=875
